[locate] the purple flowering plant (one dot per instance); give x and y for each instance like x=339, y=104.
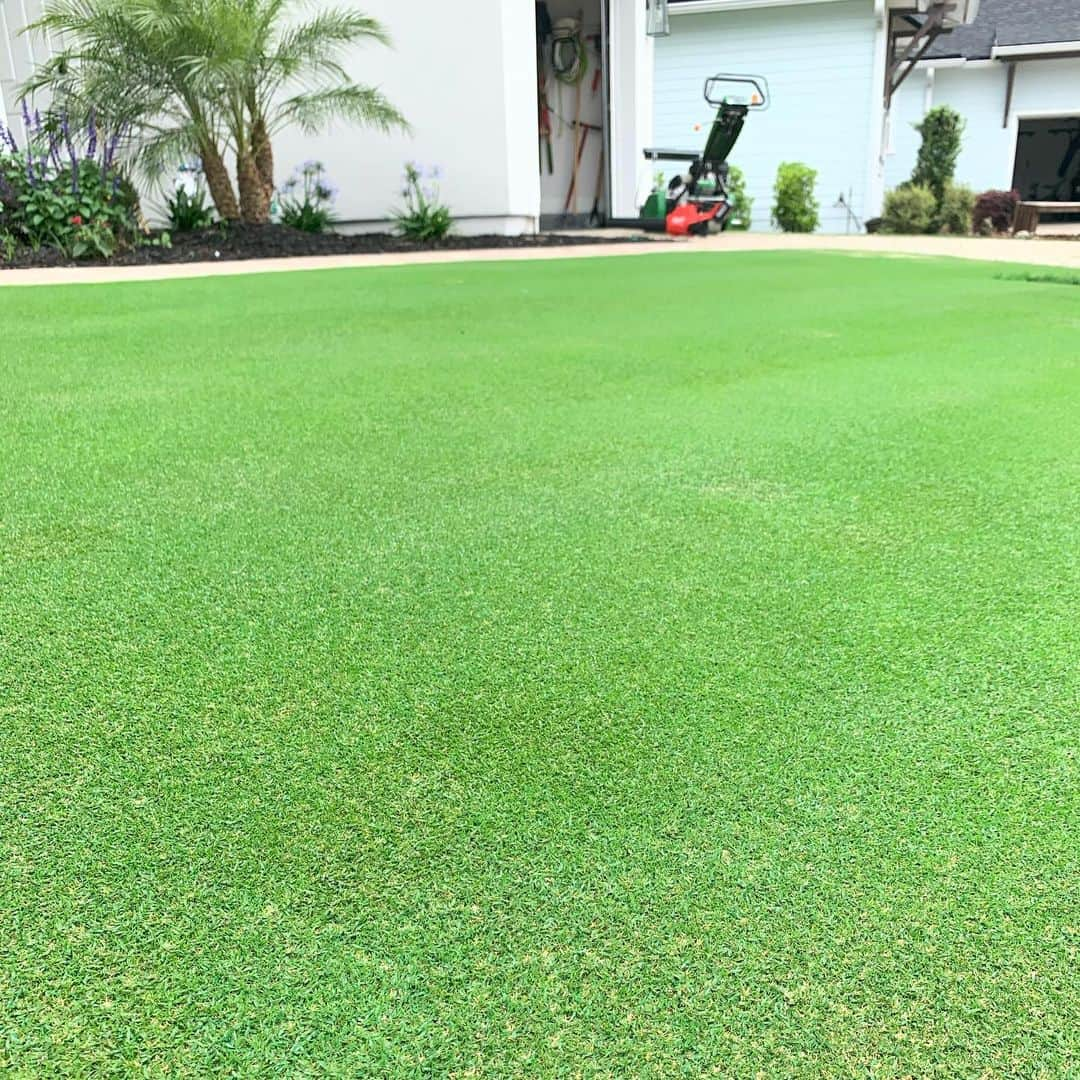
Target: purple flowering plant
x=424, y=217
x=63, y=188
x=307, y=198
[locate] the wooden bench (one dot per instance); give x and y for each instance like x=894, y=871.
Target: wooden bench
x=1026, y=218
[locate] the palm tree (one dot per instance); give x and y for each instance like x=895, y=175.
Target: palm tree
x=274, y=72
x=208, y=77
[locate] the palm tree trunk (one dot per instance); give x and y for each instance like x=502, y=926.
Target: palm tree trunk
x=254, y=199
x=264, y=154
x=217, y=180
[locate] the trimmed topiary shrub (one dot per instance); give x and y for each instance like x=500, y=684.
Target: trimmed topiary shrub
x=908, y=210
x=795, y=209
x=953, y=215
x=995, y=207
x=941, y=129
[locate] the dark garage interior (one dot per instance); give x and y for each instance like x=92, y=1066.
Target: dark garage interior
x=1048, y=159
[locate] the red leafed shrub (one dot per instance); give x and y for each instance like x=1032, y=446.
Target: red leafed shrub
x=997, y=207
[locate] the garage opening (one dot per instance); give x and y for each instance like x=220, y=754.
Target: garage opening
x=572, y=99
x=1048, y=162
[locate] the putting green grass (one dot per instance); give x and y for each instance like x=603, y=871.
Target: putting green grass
x=636, y=667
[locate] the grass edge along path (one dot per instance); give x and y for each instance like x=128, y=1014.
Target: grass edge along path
x=627, y=667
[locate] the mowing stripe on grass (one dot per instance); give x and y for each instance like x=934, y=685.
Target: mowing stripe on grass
x=628, y=667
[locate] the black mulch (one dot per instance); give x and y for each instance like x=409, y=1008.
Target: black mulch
x=280, y=241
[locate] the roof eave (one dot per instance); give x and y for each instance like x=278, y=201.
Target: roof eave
x=1035, y=50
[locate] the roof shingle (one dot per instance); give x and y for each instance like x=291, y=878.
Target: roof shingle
x=1011, y=22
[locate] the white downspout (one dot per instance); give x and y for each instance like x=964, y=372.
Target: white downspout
x=879, y=120
x=928, y=98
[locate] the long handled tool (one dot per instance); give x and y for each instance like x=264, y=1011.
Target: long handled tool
x=594, y=214
x=581, y=134
x=580, y=137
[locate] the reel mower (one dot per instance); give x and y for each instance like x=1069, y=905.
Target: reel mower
x=696, y=202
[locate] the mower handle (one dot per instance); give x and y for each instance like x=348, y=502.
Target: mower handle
x=754, y=96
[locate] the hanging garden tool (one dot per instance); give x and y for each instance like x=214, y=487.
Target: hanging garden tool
x=569, y=56
x=569, y=59
x=570, y=62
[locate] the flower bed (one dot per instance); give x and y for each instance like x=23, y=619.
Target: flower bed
x=279, y=241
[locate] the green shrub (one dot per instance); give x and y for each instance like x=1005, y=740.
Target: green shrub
x=63, y=190
x=941, y=129
x=795, y=209
x=908, y=210
x=953, y=213
x=742, y=205
x=188, y=212
x=423, y=218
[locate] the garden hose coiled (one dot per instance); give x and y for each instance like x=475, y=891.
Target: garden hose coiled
x=569, y=55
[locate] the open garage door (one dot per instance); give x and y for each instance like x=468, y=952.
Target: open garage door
x=1047, y=165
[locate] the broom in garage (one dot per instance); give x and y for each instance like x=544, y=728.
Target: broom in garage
x=581, y=135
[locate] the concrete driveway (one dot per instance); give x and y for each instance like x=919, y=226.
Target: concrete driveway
x=1035, y=252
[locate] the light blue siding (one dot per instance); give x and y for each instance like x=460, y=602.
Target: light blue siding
x=902, y=144
x=977, y=92
x=819, y=60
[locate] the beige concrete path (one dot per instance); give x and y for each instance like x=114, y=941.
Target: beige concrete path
x=1041, y=252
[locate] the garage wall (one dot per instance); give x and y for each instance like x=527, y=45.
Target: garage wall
x=977, y=92
x=819, y=60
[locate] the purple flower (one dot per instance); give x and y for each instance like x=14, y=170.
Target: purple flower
x=91, y=139
x=25, y=114
x=65, y=128
x=110, y=150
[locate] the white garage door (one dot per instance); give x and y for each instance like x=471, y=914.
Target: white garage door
x=819, y=60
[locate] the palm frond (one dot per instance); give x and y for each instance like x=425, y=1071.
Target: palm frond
x=313, y=110
x=326, y=34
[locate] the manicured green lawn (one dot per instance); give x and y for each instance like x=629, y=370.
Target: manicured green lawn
x=636, y=667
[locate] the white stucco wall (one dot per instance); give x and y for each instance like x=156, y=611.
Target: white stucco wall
x=468, y=87
x=977, y=92
x=820, y=63
x=465, y=77
x=632, y=118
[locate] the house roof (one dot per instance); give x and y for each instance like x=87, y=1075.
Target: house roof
x=999, y=24
x=1002, y=23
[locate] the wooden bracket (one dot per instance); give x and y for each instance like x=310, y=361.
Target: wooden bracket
x=920, y=31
